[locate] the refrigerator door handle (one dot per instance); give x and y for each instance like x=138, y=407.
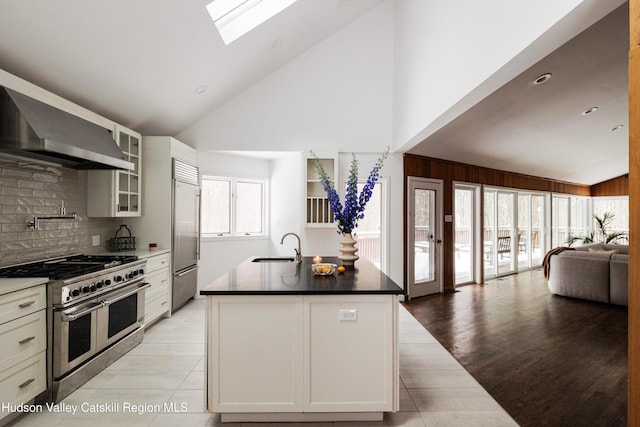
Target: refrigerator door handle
x=199, y=196
x=185, y=272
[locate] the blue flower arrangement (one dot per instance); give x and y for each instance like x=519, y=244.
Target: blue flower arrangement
x=347, y=217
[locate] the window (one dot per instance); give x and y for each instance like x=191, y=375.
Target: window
x=369, y=231
x=233, y=207
x=234, y=18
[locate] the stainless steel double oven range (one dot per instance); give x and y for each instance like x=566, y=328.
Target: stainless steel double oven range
x=95, y=314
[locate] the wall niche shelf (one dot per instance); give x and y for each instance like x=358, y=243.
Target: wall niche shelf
x=317, y=209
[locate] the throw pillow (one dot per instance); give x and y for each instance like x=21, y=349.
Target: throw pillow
x=604, y=251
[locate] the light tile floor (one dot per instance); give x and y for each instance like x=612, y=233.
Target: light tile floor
x=168, y=367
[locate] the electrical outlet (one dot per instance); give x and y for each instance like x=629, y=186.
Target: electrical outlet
x=348, y=314
x=96, y=240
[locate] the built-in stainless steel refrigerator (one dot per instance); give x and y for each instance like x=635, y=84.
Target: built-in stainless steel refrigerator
x=186, y=232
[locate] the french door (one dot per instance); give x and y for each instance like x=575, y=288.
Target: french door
x=424, y=237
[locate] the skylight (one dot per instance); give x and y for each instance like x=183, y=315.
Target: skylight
x=235, y=18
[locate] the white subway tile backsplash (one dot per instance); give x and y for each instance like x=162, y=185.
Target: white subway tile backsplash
x=29, y=189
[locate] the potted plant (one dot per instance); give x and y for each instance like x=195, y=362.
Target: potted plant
x=347, y=216
x=603, y=235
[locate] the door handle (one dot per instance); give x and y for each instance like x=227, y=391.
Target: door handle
x=183, y=273
x=438, y=241
x=71, y=317
x=117, y=298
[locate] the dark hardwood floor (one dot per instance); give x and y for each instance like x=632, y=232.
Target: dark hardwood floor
x=548, y=360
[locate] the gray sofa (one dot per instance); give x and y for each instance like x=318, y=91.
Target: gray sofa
x=591, y=272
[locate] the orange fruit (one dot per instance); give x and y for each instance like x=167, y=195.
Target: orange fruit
x=341, y=269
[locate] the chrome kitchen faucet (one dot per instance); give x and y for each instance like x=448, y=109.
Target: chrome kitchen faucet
x=298, y=251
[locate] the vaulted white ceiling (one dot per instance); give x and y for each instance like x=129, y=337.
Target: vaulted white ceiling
x=140, y=63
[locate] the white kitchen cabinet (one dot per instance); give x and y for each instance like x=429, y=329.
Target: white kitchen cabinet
x=349, y=361
x=157, y=296
x=118, y=193
x=23, y=345
x=318, y=211
x=306, y=357
x=257, y=354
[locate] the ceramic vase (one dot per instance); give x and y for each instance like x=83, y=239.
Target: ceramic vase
x=348, y=250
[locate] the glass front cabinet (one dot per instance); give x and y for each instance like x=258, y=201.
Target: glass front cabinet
x=117, y=193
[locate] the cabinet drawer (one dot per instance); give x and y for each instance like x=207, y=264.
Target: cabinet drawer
x=159, y=281
x=20, y=303
x=155, y=307
x=24, y=381
x=22, y=338
x=158, y=261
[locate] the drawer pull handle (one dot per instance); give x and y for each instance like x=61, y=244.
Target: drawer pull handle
x=26, y=340
x=26, y=383
x=164, y=303
x=26, y=304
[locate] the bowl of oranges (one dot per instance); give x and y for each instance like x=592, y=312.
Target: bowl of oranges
x=323, y=269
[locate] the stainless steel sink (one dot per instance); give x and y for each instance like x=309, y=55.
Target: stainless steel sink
x=273, y=259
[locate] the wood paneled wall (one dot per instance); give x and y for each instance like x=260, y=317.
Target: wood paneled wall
x=633, y=418
x=613, y=187
x=448, y=172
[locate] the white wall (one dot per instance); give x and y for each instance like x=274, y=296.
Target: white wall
x=450, y=55
x=286, y=199
x=218, y=256
x=337, y=94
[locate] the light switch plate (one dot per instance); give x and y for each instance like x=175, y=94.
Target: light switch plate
x=95, y=240
x=347, y=314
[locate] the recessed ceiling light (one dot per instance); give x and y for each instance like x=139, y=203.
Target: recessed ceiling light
x=589, y=111
x=615, y=128
x=541, y=79
x=235, y=18
x=200, y=90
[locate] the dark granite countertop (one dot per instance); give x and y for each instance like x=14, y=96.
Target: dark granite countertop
x=289, y=278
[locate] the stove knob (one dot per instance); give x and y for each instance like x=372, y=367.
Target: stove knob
x=75, y=292
x=93, y=287
x=107, y=282
x=117, y=279
x=135, y=273
x=99, y=284
x=85, y=289
x=130, y=275
x=141, y=271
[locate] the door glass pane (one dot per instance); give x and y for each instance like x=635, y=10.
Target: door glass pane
x=424, y=261
x=522, y=231
x=123, y=202
x=249, y=207
x=536, y=245
x=505, y=237
x=123, y=181
x=489, y=233
x=79, y=337
x=560, y=221
x=124, y=142
x=122, y=314
x=369, y=230
x=463, y=235
x=133, y=203
x=134, y=145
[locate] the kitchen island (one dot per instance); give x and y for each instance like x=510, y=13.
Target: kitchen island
x=286, y=345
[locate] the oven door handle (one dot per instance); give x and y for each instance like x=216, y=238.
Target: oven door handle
x=138, y=288
x=71, y=317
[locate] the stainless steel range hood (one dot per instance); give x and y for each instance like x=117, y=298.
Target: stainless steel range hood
x=30, y=128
